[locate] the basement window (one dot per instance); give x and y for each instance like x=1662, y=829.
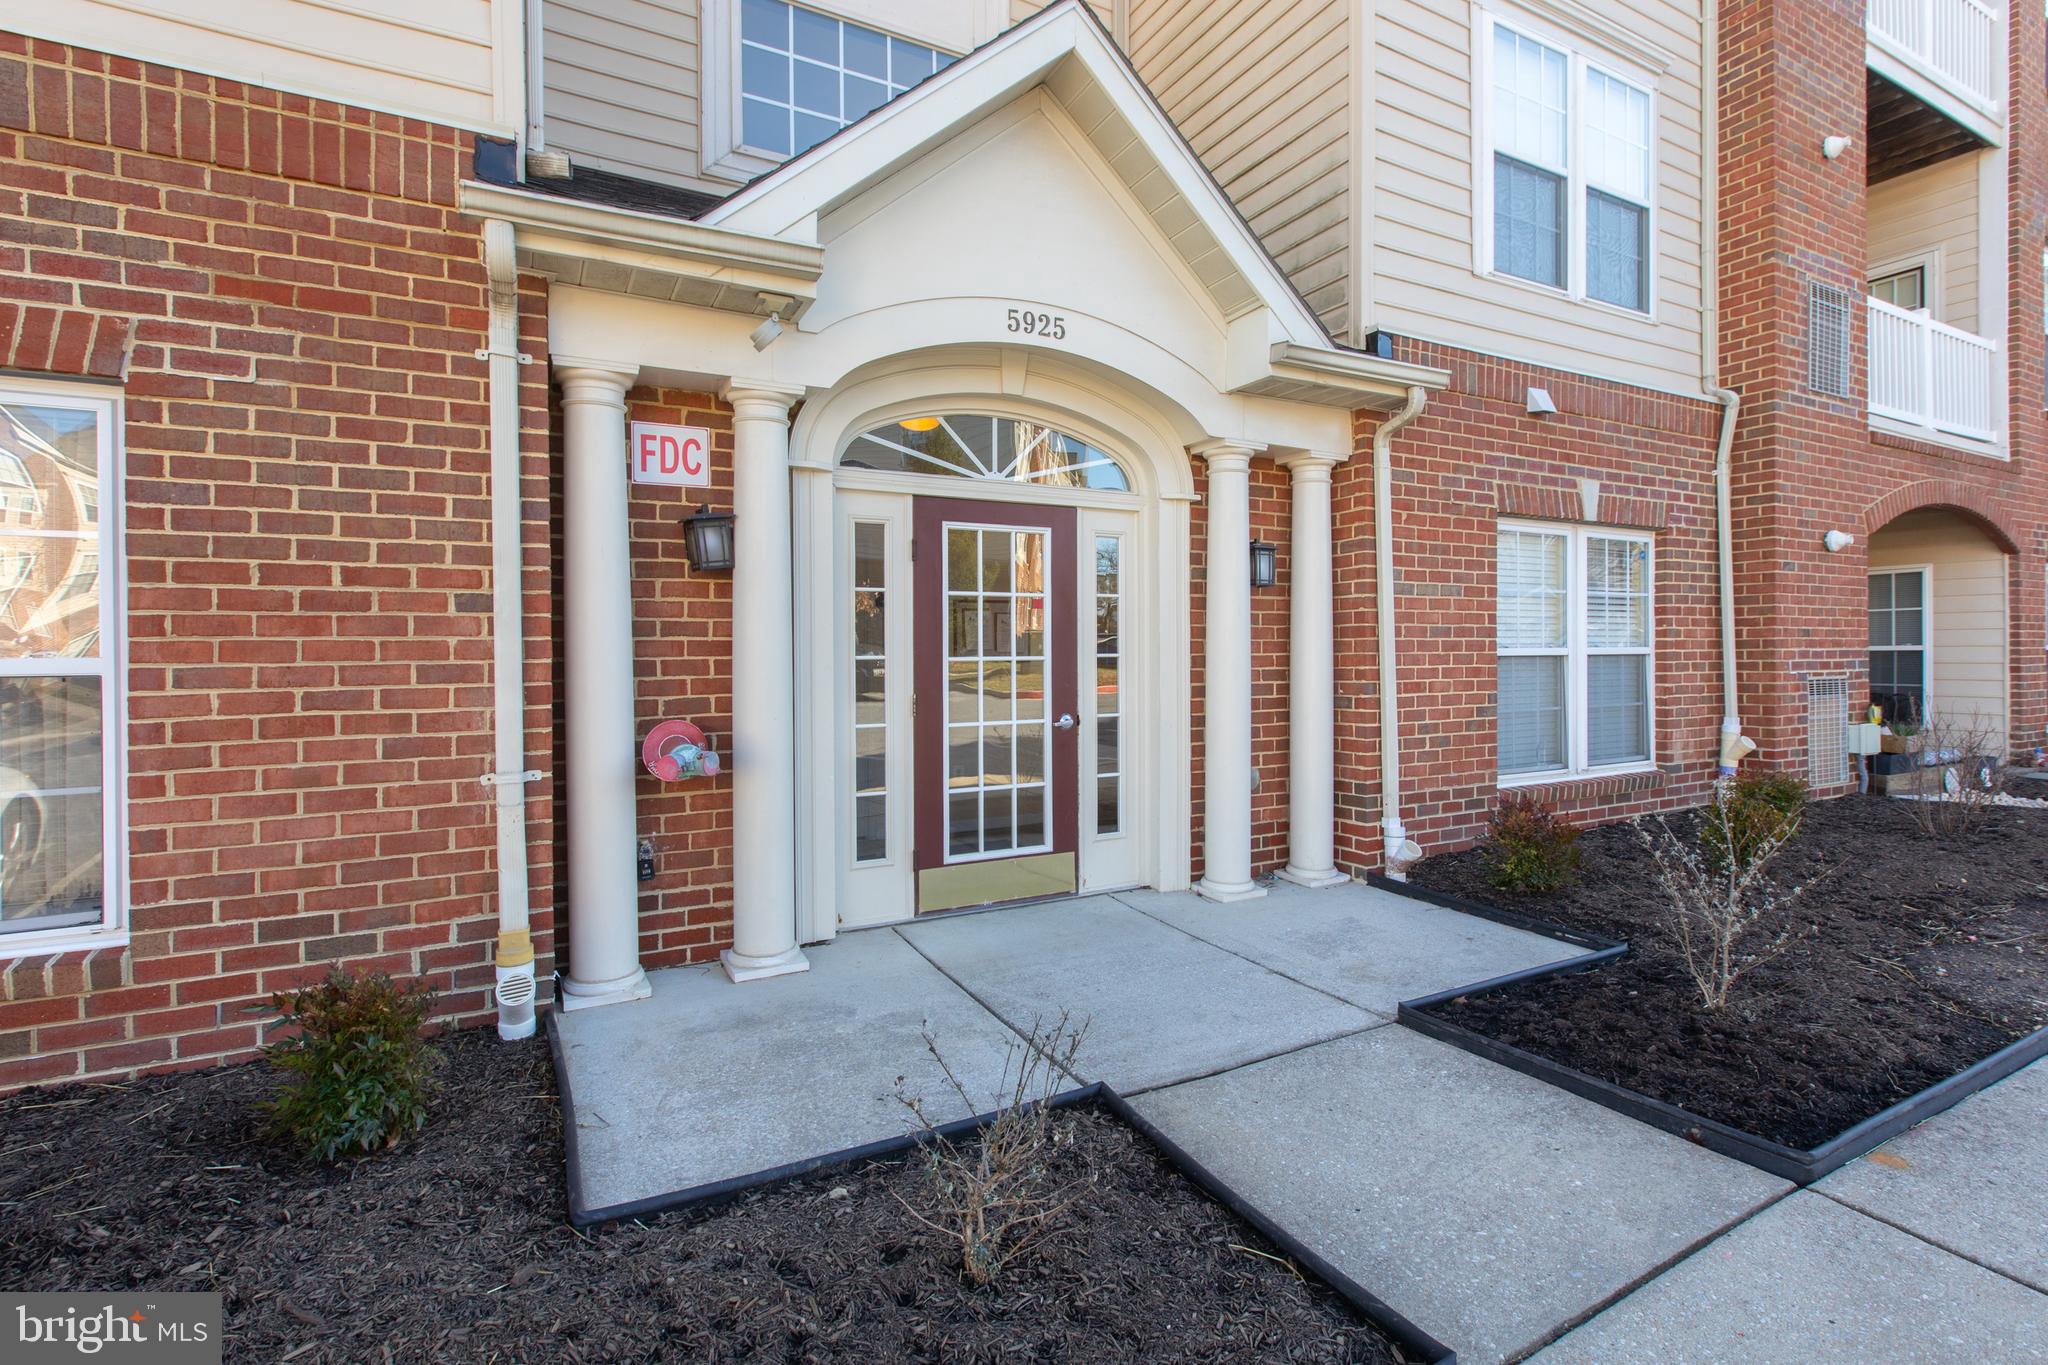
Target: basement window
x=60, y=674
x=1575, y=627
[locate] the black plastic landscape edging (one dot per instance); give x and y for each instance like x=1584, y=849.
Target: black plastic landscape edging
x=1802, y=1166
x=1415, y=1343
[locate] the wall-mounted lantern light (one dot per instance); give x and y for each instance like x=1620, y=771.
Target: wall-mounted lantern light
x=1265, y=564
x=707, y=540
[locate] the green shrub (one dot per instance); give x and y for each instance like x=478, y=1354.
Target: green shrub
x=358, y=1070
x=1529, y=846
x=1761, y=809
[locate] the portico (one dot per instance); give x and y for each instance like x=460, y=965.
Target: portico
x=962, y=474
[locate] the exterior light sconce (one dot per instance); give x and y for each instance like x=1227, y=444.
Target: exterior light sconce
x=707, y=540
x=1833, y=147
x=1265, y=564
x=1837, y=541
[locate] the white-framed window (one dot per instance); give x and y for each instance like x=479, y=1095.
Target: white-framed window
x=1576, y=626
x=62, y=701
x=1567, y=169
x=1898, y=643
x=779, y=78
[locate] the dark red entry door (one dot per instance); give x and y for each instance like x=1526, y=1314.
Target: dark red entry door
x=997, y=747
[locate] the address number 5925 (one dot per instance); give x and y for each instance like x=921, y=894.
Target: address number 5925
x=1052, y=326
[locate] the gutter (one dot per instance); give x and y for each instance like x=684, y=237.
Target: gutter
x=514, y=953
x=678, y=239
x=1396, y=852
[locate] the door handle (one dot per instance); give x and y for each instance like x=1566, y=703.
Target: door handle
x=1065, y=722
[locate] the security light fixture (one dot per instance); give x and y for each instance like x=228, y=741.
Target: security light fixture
x=1833, y=147
x=707, y=540
x=1265, y=564
x=1837, y=541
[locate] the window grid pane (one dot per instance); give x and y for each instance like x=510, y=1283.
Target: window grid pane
x=1898, y=644
x=805, y=75
x=1109, y=765
x=870, y=692
x=1529, y=100
x=1531, y=590
x=1616, y=137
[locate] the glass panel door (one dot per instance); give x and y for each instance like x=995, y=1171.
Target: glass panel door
x=996, y=702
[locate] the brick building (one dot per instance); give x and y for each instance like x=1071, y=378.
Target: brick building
x=394, y=450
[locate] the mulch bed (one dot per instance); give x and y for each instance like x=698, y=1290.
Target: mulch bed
x=1929, y=956
x=455, y=1246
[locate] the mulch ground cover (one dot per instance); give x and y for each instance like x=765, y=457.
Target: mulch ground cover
x=1927, y=955
x=455, y=1247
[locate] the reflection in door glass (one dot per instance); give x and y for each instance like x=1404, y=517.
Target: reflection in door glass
x=870, y=694
x=997, y=671
x=1109, y=751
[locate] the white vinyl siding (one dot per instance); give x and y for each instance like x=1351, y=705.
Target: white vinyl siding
x=1929, y=217
x=455, y=62
x=621, y=85
x=1262, y=93
x=1575, y=627
x=1428, y=189
x=1966, y=634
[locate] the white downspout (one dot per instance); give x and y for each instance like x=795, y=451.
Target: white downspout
x=514, y=956
x=1733, y=746
x=1396, y=853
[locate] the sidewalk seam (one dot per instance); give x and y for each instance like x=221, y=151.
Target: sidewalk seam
x=1923, y=1237
x=1586, y=1315
x=1118, y=897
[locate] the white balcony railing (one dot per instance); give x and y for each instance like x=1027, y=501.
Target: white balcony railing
x=1928, y=374
x=1955, y=40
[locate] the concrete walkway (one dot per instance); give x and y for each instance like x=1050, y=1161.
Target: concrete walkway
x=1498, y=1213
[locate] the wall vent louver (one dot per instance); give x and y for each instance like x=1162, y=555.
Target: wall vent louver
x=1827, y=731
x=1829, y=312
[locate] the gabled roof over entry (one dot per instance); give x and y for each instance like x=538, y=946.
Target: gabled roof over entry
x=1063, y=48
x=1276, y=345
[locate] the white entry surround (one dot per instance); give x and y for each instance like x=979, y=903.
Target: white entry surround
x=1033, y=178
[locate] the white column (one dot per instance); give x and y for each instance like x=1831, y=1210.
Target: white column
x=1227, y=678
x=1311, y=680
x=604, y=893
x=763, y=689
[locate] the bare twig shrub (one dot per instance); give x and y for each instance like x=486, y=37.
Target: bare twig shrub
x=997, y=1196
x=1728, y=917
x=1954, y=814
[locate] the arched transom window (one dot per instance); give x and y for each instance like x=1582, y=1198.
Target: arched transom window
x=975, y=446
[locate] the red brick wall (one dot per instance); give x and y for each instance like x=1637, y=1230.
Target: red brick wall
x=682, y=666
x=1472, y=456
x=308, y=558
x=1806, y=463
x=1271, y=518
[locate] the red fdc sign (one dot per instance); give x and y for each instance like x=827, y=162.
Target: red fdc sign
x=679, y=456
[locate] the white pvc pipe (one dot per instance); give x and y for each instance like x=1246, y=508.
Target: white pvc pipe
x=1227, y=680
x=1393, y=834
x=513, y=953
x=1311, y=680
